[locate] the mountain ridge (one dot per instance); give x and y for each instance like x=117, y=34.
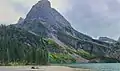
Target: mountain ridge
x=46, y=21
x=49, y=18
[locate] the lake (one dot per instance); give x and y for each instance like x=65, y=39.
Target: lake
x=99, y=66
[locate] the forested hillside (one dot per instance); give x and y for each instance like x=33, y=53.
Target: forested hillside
x=21, y=47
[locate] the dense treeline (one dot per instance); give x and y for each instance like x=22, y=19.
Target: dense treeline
x=19, y=46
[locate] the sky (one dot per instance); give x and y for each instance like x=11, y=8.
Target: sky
x=92, y=17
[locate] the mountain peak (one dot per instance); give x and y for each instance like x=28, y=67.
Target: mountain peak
x=43, y=3
x=20, y=20
x=42, y=18
x=39, y=10
x=44, y=0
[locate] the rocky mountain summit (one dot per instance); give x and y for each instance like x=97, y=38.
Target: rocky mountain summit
x=46, y=21
x=21, y=20
x=42, y=19
x=51, y=21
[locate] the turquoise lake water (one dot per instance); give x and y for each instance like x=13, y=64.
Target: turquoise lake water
x=99, y=66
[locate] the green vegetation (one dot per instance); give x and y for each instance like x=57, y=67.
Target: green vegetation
x=85, y=54
x=58, y=54
x=61, y=58
x=54, y=47
x=109, y=60
x=18, y=47
x=82, y=53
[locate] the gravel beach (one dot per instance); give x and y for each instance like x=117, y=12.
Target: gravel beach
x=41, y=68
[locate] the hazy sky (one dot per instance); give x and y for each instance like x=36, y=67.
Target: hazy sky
x=93, y=17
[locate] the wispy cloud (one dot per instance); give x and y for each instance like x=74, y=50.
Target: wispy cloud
x=96, y=17
x=7, y=14
x=61, y=5
x=11, y=10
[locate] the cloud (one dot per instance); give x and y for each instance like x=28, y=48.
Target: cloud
x=7, y=14
x=96, y=17
x=11, y=10
x=61, y=5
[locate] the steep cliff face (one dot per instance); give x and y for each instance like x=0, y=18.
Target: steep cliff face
x=53, y=22
x=46, y=21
